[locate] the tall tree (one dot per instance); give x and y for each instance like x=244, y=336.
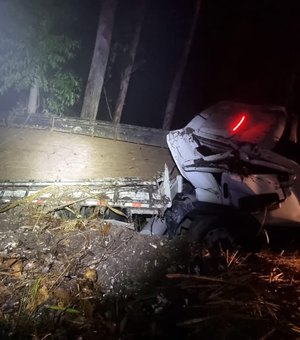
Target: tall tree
x=169, y=114
x=126, y=73
x=33, y=55
x=33, y=100
x=99, y=61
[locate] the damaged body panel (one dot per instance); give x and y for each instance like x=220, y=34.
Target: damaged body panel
x=226, y=154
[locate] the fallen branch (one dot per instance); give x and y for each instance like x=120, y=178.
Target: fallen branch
x=199, y=277
x=60, y=207
x=27, y=199
x=194, y=321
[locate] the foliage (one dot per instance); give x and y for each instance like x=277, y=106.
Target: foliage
x=32, y=49
x=63, y=90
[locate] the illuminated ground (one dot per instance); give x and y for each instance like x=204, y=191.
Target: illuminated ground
x=80, y=279
x=28, y=154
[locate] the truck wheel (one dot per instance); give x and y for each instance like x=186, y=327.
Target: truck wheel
x=211, y=233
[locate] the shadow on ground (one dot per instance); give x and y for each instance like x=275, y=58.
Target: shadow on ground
x=92, y=281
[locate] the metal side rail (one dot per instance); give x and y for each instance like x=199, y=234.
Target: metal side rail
x=102, y=129
x=141, y=197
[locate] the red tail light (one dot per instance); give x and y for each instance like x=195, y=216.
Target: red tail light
x=241, y=120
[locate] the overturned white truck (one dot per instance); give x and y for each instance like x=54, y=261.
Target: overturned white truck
x=229, y=177
x=235, y=179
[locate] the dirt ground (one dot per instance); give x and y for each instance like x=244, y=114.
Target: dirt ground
x=90, y=279
x=87, y=278
x=28, y=154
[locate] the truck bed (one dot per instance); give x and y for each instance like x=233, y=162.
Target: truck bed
x=43, y=155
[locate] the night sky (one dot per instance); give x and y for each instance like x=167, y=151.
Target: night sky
x=244, y=50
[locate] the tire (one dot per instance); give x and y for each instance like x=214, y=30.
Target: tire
x=212, y=233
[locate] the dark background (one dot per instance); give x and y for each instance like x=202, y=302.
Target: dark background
x=243, y=50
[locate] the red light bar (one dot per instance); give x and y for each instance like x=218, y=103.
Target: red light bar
x=239, y=123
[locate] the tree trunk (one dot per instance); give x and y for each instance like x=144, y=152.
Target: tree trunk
x=169, y=114
x=99, y=61
x=126, y=74
x=33, y=98
x=293, y=137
